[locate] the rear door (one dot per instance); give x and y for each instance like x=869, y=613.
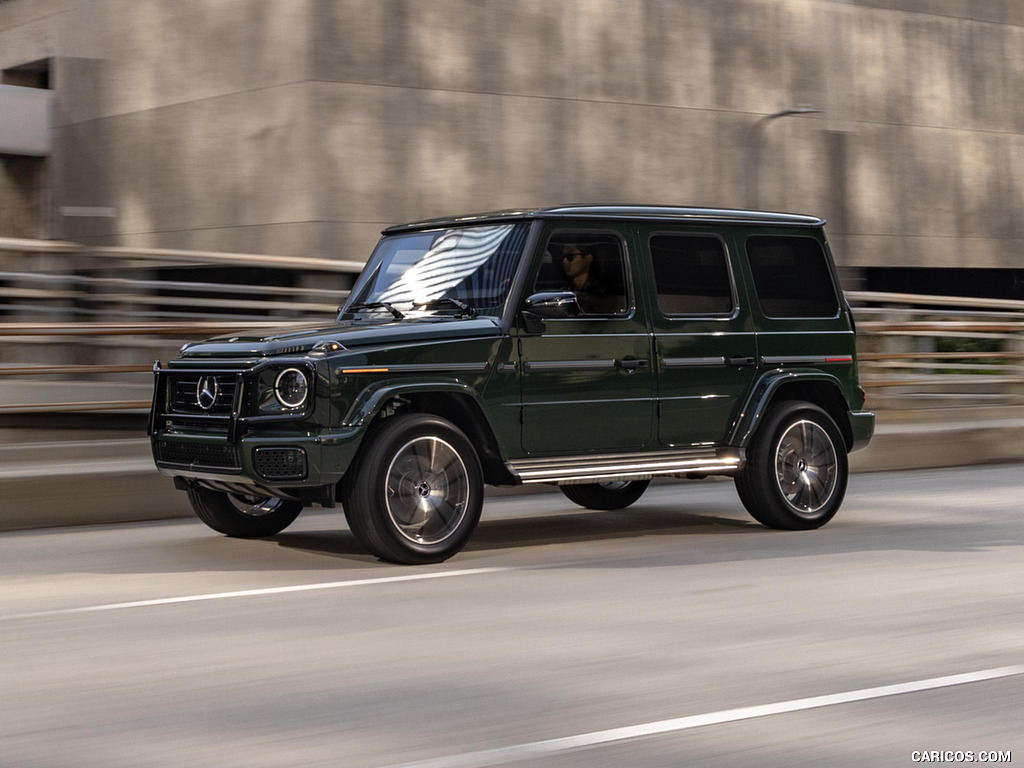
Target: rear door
x=706, y=348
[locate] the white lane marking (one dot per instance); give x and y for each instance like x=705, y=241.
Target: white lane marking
x=503, y=755
x=258, y=592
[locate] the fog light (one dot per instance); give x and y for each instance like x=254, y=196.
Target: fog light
x=280, y=463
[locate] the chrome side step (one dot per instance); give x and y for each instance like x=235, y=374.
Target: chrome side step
x=568, y=470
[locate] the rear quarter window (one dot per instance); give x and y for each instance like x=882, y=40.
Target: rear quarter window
x=791, y=277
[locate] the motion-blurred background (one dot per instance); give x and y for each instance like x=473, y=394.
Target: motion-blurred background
x=172, y=169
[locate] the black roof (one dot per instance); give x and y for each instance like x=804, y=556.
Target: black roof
x=622, y=213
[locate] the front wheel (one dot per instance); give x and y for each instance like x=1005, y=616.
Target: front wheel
x=415, y=496
x=613, y=495
x=244, y=517
x=796, y=472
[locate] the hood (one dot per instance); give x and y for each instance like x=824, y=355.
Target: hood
x=351, y=335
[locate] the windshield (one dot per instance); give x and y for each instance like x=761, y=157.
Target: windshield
x=461, y=269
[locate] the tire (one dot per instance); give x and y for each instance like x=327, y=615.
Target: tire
x=415, y=495
x=243, y=517
x=796, y=472
x=614, y=495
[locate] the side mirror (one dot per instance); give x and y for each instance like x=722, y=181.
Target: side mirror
x=553, y=304
x=548, y=305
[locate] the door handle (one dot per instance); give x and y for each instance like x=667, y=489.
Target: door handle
x=739, y=362
x=630, y=364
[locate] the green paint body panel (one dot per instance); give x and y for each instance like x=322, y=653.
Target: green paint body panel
x=641, y=381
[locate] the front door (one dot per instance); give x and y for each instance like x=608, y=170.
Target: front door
x=587, y=381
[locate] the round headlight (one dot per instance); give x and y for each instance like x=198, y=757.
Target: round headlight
x=291, y=388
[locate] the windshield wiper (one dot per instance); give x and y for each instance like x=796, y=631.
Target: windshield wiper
x=441, y=300
x=377, y=305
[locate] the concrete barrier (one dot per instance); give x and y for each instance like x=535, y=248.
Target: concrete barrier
x=907, y=445
x=83, y=482
x=103, y=480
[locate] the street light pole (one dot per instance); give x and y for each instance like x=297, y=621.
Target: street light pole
x=753, y=160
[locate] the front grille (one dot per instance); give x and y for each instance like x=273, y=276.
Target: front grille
x=217, y=401
x=280, y=463
x=215, y=398
x=208, y=455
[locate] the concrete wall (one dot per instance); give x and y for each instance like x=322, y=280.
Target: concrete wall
x=303, y=127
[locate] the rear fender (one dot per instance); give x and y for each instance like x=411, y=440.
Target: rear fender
x=822, y=389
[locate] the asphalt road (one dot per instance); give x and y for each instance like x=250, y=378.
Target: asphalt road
x=677, y=632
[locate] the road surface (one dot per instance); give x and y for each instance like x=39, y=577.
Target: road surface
x=677, y=632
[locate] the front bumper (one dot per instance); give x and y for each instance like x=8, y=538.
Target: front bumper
x=267, y=462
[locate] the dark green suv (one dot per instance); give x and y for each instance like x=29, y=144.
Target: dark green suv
x=588, y=347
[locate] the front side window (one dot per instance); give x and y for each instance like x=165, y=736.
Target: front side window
x=589, y=264
x=691, y=275
x=462, y=266
x=791, y=277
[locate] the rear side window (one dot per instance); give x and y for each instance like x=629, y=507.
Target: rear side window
x=691, y=275
x=791, y=277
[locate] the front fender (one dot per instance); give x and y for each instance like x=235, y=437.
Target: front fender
x=371, y=399
x=765, y=390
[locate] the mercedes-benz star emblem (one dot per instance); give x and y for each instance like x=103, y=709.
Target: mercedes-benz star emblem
x=207, y=392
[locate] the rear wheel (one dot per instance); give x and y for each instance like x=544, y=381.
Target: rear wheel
x=244, y=517
x=796, y=472
x=613, y=495
x=416, y=494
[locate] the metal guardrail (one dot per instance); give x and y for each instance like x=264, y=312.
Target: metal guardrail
x=72, y=314
x=80, y=323
x=919, y=352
